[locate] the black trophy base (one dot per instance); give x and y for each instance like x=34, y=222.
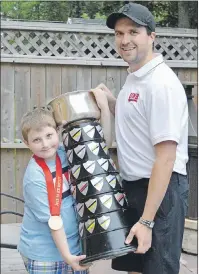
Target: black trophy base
x=106, y=246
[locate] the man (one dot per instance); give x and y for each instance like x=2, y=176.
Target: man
x=151, y=124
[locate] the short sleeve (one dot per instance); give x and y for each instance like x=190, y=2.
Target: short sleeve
x=166, y=108
x=36, y=197
x=62, y=154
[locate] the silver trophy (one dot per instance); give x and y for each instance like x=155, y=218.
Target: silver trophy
x=101, y=204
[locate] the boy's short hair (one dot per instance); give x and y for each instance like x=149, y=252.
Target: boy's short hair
x=36, y=119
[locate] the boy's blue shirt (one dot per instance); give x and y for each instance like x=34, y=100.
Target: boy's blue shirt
x=36, y=241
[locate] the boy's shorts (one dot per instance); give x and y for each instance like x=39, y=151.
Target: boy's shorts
x=37, y=267
x=164, y=255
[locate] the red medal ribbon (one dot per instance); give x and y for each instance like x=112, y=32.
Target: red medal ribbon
x=54, y=192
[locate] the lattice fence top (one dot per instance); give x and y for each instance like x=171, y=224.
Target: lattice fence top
x=95, y=42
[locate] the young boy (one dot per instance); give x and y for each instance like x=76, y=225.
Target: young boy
x=49, y=241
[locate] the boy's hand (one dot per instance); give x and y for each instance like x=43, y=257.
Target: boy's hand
x=100, y=98
x=74, y=261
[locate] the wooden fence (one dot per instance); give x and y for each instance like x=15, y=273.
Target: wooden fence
x=40, y=61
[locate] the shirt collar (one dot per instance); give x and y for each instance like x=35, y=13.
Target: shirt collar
x=157, y=60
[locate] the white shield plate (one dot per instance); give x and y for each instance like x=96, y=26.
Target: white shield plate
x=75, y=171
x=91, y=204
x=90, y=225
x=97, y=182
x=112, y=163
x=81, y=229
x=119, y=180
x=70, y=155
x=106, y=200
x=89, y=166
x=104, y=221
x=65, y=138
x=99, y=129
x=120, y=198
x=83, y=187
x=103, y=163
x=89, y=130
x=104, y=147
x=80, y=209
x=94, y=148
x=111, y=180
x=80, y=151
x=76, y=134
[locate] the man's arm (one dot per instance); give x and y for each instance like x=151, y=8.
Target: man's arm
x=105, y=118
x=158, y=184
x=160, y=177
x=111, y=99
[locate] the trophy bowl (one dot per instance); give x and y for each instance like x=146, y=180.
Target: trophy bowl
x=75, y=105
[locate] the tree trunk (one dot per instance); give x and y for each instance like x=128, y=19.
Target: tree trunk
x=183, y=14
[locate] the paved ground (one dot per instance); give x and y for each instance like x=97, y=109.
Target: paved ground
x=11, y=263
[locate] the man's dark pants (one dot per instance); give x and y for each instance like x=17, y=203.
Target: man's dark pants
x=164, y=255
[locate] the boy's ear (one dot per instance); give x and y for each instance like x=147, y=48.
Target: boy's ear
x=25, y=142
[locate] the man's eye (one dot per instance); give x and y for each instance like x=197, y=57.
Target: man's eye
x=36, y=140
x=117, y=33
x=133, y=32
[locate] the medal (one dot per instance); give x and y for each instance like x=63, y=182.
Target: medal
x=55, y=222
x=54, y=192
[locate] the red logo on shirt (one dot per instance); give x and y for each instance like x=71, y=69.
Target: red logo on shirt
x=133, y=97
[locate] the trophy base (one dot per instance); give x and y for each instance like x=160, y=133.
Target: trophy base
x=107, y=246
x=108, y=255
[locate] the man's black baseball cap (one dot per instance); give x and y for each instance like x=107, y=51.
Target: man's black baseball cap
x=136, y=12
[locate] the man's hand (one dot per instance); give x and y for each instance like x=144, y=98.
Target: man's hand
x=111, y=99
x=74, y=261
x=100, y=98
x=106, y=91
x=143, y=235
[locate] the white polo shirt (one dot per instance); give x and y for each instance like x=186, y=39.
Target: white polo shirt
x=150, y=108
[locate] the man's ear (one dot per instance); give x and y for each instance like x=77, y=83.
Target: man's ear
x=153, y=35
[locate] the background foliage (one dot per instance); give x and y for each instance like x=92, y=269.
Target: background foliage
x=167, y=13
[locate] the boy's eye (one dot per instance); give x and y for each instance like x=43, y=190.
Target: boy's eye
x=49, y=135
x=36, y=140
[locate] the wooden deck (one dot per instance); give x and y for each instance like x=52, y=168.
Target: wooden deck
x=11, y=261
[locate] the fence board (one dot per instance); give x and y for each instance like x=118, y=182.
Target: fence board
x=38, y=85
x=113, y=83
x=123, y=75
x=8, y=184
x=7, y=102
x=22, y=95
x=98, y=76
x=53, y=82
x=21, y=160
x=69, y=79
x=83, y=78
x=113, y=80
x=194, y=78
